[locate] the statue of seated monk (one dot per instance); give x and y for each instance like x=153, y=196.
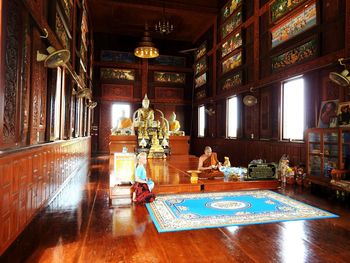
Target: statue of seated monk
x=209, y=165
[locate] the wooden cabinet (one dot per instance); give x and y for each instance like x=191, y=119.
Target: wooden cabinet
x=327, y=149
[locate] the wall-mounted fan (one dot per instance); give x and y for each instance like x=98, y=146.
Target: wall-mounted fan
x=91, y=104
x=210, y=111
x=250, y=100
x=343, y=78
x=84, y=93
x=56, y=58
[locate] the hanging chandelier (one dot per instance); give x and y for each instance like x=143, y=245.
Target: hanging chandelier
x=146, y=48
x=164, y=26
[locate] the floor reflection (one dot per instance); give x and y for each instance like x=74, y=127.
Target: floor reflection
x=293, y=245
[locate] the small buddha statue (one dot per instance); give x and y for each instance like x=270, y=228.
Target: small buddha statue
x=174, y=125
x=227, y=162
x=156, y=150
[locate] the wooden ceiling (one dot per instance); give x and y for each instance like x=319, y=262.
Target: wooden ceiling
x=128, y=17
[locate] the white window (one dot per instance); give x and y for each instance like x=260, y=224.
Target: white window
x=201, y=121
x=120, y=110
x=232, y=117
x=57, y=112
x=293, y=117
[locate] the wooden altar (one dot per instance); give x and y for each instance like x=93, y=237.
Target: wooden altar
x=179, y=145
x=117, y=142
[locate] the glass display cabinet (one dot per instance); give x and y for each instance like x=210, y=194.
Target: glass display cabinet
x=327, y=149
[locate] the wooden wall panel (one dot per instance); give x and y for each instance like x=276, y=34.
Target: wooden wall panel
x=241, y=152
x=29, y=178
x=251, y=121
x=117, y=92
x=38, y=93
x=169, y=94
x=266, y=108
x=105, y=126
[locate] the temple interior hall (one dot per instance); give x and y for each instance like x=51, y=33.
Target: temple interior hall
x=174, y=131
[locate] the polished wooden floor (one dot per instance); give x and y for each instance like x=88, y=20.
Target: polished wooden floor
x=79, y=226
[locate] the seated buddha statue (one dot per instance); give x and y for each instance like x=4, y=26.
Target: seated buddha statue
x=124, y=125
x=174, y=125
x=144, y=115
x=209, y=165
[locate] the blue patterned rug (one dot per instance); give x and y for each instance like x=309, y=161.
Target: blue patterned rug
x=205, y=210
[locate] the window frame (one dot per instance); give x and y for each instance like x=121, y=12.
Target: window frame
x=228, y=117
x=282, y=138
x=199, y=119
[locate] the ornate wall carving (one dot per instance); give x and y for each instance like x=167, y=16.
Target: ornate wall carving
x=167, y=93
x=114, y=91
x=11, y=73
x=37, y=86
x=25, y=85
x=105, y=128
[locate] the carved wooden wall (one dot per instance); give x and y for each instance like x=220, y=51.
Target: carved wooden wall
x=31, y=177
x=27, y=87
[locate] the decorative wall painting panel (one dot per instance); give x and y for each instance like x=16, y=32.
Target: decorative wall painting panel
x=201, y=51
x=232, y=81
x=229, y=8
x=200, y=81
x=117, y=56
x=232, y=23
x=295, y=55
x=117, y=74
x=170, y=61
x=231, y=44
x=201, y=94
x=295, y=25
x=201, y=65
x=232, y=62
x=169, y=77
x=61, y=32
x=281, y=7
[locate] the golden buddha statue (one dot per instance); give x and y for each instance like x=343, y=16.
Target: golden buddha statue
x=144, y=116
x=156, y=150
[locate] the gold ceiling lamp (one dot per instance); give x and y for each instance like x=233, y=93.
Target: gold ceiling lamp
x=146, y=48
x=164, y=26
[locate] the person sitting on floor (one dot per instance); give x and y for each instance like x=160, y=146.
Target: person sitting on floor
x=143, y=186
x=209, y=165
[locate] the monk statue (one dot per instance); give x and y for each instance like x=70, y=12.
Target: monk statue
x=144, y=115
x=209, y=165
x=174, y=125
